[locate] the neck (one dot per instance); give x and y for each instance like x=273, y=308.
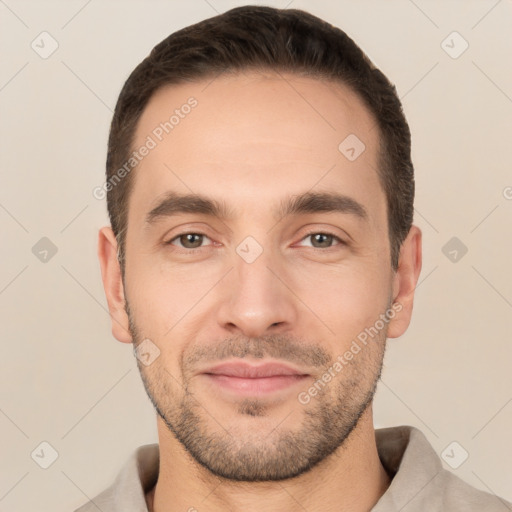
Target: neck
x=351, y=479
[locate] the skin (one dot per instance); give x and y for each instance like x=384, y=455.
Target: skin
x=252, y=141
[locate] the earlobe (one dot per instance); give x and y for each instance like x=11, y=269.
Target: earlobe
x=113, y=284
x=405, y=281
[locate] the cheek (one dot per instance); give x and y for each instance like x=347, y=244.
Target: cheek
x=347, y=300
x=162, y=294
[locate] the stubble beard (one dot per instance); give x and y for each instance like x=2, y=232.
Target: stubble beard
x=322, y=426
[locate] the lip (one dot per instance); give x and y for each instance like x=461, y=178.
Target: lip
x=249, y=371
x=253, y=380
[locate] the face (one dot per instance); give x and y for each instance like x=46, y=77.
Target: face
x=258, y=270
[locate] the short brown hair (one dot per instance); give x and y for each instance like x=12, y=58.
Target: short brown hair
x=265, y=38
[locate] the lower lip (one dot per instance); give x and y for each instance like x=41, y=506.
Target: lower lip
x=255, y=386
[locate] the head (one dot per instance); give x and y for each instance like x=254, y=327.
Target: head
x=260, y=193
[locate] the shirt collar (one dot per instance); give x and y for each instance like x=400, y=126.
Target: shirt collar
x=409, y=458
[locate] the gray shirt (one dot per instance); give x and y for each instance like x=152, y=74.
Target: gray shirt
x=420, y=483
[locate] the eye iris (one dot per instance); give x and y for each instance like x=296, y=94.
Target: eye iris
x=188, y=240
x=323, y=239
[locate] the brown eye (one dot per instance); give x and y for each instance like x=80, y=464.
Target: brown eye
x=189, y=240
x=321, y=240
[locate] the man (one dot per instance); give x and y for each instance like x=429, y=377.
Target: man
x=261, y=251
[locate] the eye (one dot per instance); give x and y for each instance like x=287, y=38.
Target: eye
x=188, y=240
x=320, y=240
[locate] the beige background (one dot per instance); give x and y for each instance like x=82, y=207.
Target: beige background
x=66, y=381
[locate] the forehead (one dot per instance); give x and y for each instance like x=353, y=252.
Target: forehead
x=242, y=134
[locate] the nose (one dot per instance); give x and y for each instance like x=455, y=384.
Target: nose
x=257, y=299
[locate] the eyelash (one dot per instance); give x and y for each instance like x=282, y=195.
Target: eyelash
x=184, y=249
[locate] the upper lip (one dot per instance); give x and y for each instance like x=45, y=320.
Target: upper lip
x=249, y=371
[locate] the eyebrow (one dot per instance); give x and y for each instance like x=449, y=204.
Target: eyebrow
x=308, y=202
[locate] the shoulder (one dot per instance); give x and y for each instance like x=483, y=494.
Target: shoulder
x=127, y=493
x=420, y=482
x=104, y=502
x=457, y=495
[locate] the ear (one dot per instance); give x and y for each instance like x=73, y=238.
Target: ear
x=113, y=284
x=404, y=282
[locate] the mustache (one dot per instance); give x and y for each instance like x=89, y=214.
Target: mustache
x=280, y=347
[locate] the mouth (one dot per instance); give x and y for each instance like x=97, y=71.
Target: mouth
x=245, y=379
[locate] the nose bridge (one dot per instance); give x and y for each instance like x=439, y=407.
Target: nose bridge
x=254, y=277
x=255, y=299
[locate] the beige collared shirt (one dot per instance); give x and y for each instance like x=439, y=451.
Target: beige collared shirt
x=420, y=482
